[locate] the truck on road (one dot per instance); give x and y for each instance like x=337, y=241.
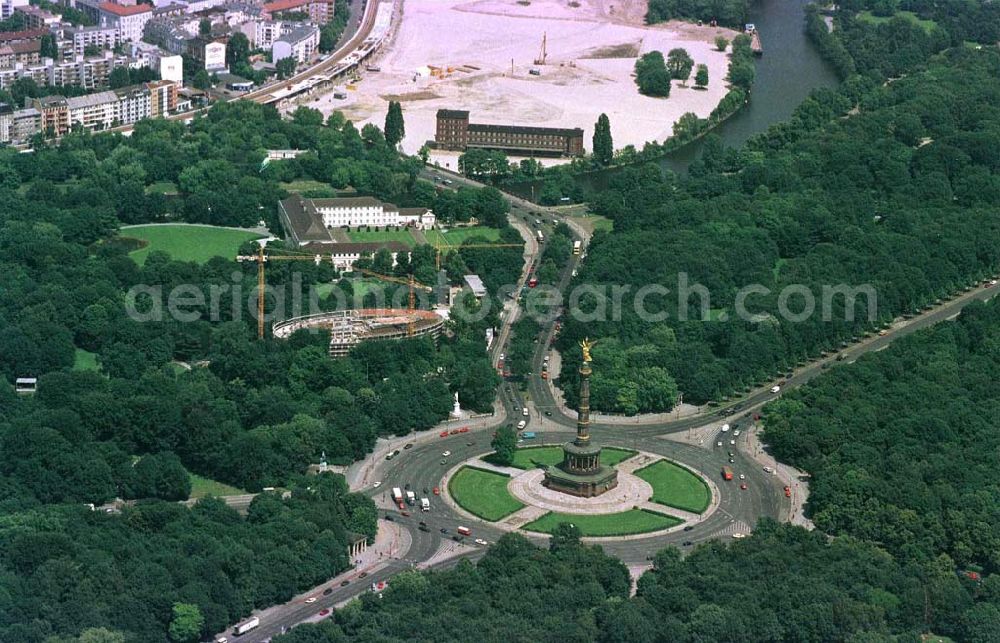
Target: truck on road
x=425, y=504
x=246, y=626
x=397, y=495
x=411, y=498
x=727, y=473
x=576, y=247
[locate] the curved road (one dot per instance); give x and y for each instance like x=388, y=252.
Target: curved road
x=422, y=465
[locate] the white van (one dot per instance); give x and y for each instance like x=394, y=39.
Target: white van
x=524, y=411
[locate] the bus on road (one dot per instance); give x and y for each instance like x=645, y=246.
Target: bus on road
x=576, y=247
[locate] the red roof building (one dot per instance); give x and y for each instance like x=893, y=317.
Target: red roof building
x=122, y=10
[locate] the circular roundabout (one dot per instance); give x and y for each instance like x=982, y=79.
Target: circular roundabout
x=653, y=494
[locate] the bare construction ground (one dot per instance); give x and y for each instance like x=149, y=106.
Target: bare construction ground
x=477, y=56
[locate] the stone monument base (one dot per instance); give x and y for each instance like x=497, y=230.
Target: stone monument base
x=584, y=485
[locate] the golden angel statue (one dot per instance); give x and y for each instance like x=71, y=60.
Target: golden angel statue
x=586, y=345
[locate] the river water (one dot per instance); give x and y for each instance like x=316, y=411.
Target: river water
x=789, y=69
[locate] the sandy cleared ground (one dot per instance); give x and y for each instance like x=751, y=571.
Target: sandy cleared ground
x=592, y=50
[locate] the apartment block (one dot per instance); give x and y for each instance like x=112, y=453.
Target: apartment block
x=96, y=36
x=162, y=97
x=301, y=43
x=128, y=20
x=37, y=18
x=319, y=11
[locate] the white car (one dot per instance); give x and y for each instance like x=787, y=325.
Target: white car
x=501, y=356
x=739, y=535
x=743, y=476
x=775, y=388
x=376, y=484
x=736, y=433
x=725, y=427
x=732, y=442
x=480, y=541
x=768, y=470
x=311, y=599
x=446, y=454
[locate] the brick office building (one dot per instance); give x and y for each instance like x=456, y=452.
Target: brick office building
x=455, y=132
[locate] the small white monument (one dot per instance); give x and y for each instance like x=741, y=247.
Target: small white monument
x=457, y=411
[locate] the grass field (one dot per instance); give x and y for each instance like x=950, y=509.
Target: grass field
x=201, y=487
x=85, y=361
x=483, y=493
x=531, y=457
x=675, y=486
x=633, y=521
x=403, y=236
x=455, y=236
x=162, y=187
x=868, y=16
x=185, y=242
x=301, y=185
x=595, y=222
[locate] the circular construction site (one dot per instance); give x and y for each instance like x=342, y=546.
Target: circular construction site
x=349, y=328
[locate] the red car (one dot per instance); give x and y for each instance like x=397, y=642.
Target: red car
x=324, y=612
x=788, y=492
x=743, y=486
x=464, y=429
x=443, y=434
x=437, y=492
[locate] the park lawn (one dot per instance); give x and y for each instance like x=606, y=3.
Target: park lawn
x=531, y=457
x=633, y=521
x=675, y=486
x=455, y=236
x=302, y=185
x=595, y=222
x=868, y=16
x=483, y=493
x=186, y=242
x=85, y=361
x=162, y=187
x=365, y=236
x=201, y=487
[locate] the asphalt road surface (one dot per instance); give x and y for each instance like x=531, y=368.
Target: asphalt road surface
x=422, y=466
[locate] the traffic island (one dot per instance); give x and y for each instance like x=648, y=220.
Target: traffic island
x=483, y=493
x=625, y=523
x=676, y=486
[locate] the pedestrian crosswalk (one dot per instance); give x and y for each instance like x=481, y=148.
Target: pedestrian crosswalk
x=736, y=527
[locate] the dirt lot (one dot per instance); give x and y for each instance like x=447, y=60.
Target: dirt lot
x=486, y=48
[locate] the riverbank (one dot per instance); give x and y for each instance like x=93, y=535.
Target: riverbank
x=486, y=57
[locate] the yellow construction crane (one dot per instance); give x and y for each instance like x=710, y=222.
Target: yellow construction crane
x=413, y=285
x=261, y=259
x=543, y=54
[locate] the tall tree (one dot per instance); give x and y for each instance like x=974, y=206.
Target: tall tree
x=285, y=67
x=504, y=445
x=679, y=63
x=186, y=624
x=701, y=76
x=395, y=128
x=237, y=49
x=604, y=147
